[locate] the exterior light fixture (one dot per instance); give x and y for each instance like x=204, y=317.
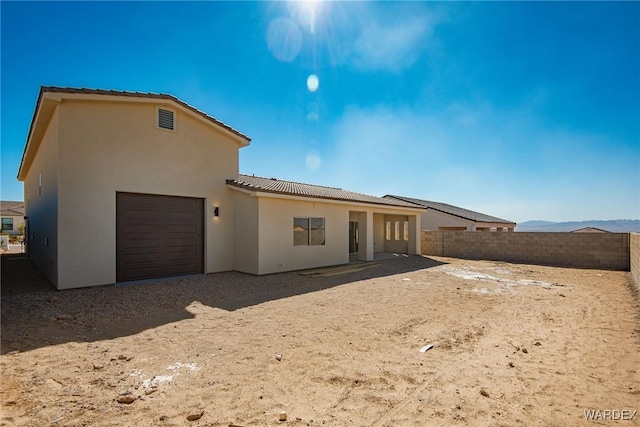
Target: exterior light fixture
x=216, y=211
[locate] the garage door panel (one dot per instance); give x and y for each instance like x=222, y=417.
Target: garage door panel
x=176, y=215
x=181, y=233
x=142, y=260
x=158, y=236
x=142, y=257
x=182, y=256
x=141, y=232
x=142, y=273
x=176, y=270
x=141, y=249
x=147, y=223
x=140, y=245
x=181, y=240
x=133, y=211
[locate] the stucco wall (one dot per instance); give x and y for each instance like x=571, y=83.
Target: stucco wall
x=365, y=233
x=591, y=250
x=396, y=242
x=41, y=203
x=378, y=233
x=107, y=147
x=277, y=251
x=271, y=217
x=431, y=220
x=246, y=233
x=634, y=250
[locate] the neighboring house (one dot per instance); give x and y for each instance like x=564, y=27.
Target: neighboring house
x=12, y=214
x=589, y=230
x=444, y=217
x=125, y=185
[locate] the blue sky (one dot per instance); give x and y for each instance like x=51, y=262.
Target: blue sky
x=519, y=110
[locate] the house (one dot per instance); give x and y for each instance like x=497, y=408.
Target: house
x=330, y=225
x=12, y=214
x=589, y=230
x=125, y=186
x=443, y=217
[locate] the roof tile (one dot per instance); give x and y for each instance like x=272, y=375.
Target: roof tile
x=272, y=185
x=452, y=210
x=11, y=208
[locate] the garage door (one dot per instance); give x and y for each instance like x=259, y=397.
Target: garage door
x=158, y=236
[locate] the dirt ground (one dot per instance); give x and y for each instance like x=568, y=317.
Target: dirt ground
x=512, y=345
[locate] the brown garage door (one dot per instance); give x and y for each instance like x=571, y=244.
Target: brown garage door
x=158, y=236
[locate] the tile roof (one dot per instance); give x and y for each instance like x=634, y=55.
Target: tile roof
x=272, y=185
x=87, y=91
x=452, y=210
x=10, y=208
x=589, y=230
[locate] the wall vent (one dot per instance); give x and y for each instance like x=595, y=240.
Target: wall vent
x=165, y=119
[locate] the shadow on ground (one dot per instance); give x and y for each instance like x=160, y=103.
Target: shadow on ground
x=34, y=314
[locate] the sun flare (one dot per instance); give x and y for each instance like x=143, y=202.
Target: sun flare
x=307, y=12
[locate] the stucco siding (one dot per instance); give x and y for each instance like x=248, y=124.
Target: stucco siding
x=396, y=241
x=277, y=251
x=433, y=220
x=378, y=232
x=246, y=233
x=107, y=147
x=41, y=203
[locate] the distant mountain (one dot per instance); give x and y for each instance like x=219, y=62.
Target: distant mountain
x=614, y=225
x=537, y=223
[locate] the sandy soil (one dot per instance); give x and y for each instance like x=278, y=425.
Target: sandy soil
x=512, y=345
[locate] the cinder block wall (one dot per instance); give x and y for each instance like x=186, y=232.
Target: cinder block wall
x=634, y=251
x=590, y=250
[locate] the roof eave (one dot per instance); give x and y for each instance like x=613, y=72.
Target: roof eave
x=261, y=192
x=42, y=114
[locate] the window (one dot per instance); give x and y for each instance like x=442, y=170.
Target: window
x=300, y=231
x=7, y=224
x=166, y=119
x=308, y=231
x=388, y=231
x=397, y=235
x=406, y=230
